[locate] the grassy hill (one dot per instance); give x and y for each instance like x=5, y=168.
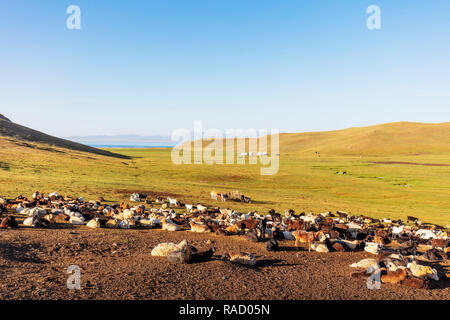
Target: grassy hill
x=404, y=181
x=11, y=132
x=398, y=138
x=402, y=138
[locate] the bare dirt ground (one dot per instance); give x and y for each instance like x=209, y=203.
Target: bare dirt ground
x=117, y=264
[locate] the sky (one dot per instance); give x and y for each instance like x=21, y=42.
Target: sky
x=149, y=67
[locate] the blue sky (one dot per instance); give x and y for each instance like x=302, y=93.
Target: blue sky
x=148, y=67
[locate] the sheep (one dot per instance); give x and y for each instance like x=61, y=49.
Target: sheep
x=397, y=231
x=20, y=208
x=51, y=218
x=242, y=258
x=365, y=264
x=201, y=228
x=77, y=220
x=112, y=223
x=164, y=249
x=422, y=271
x=29, y=222
x=425, y=234
x=351, y=245
x=94, y=223
x=173, y=201
x=124, y=224
x=318, y=247
x=372, y=247
x=135, y=197
x=169, y=226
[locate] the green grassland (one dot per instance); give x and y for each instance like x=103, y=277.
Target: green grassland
x=304, y=182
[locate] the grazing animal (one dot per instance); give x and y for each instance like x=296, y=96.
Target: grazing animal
x=201, y=228
x=164, y=249
x=303, y=237
x=394, y=276
x=365, y=264
x=416, y=283
x=397, y=231
x=112, y=223
x=422, y=271
x=173, y=201
x=94, y=223
x=77, y=220
x=9, y=222
x=62, y=218
x=412, y=219
x=242, y=258
x=205, y=256
x=272, y=245
x=318, y=247
x=372, y=247
x=232, y=229
x=169, y=226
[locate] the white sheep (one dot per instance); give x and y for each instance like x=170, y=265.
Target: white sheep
x=164, y=249
x=420, y=270
x=425, y=234
x=201, y=228
x=243, y=258
x=365, y=264
x=372, y=247
x=170, y=226
x=19, y=208
x=94, y=223
x=77, y=220
x=397, y=231
x=124, y=224
x=319, y=247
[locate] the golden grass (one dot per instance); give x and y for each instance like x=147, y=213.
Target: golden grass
x=305, y=182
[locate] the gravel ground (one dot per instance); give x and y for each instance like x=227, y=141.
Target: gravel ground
x=117, y=264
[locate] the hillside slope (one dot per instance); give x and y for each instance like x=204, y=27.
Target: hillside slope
x=21, y=134
x=406, y=138
x=398, y=138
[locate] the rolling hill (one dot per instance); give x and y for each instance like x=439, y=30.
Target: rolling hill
x=11, y=132
x=397, y=138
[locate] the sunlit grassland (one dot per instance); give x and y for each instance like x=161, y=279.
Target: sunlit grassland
x=305, y=182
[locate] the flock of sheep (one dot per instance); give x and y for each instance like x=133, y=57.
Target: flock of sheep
x=398, y=248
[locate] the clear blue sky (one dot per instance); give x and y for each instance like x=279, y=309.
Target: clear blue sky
x=148, y=67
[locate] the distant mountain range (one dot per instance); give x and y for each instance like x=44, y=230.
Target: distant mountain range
x=120, y=138
x=127, y=140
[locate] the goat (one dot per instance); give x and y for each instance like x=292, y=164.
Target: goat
x=394, y=276
x=9, y=222
x=303, y=237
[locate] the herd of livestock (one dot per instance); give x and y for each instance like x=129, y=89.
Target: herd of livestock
x=400, y=249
